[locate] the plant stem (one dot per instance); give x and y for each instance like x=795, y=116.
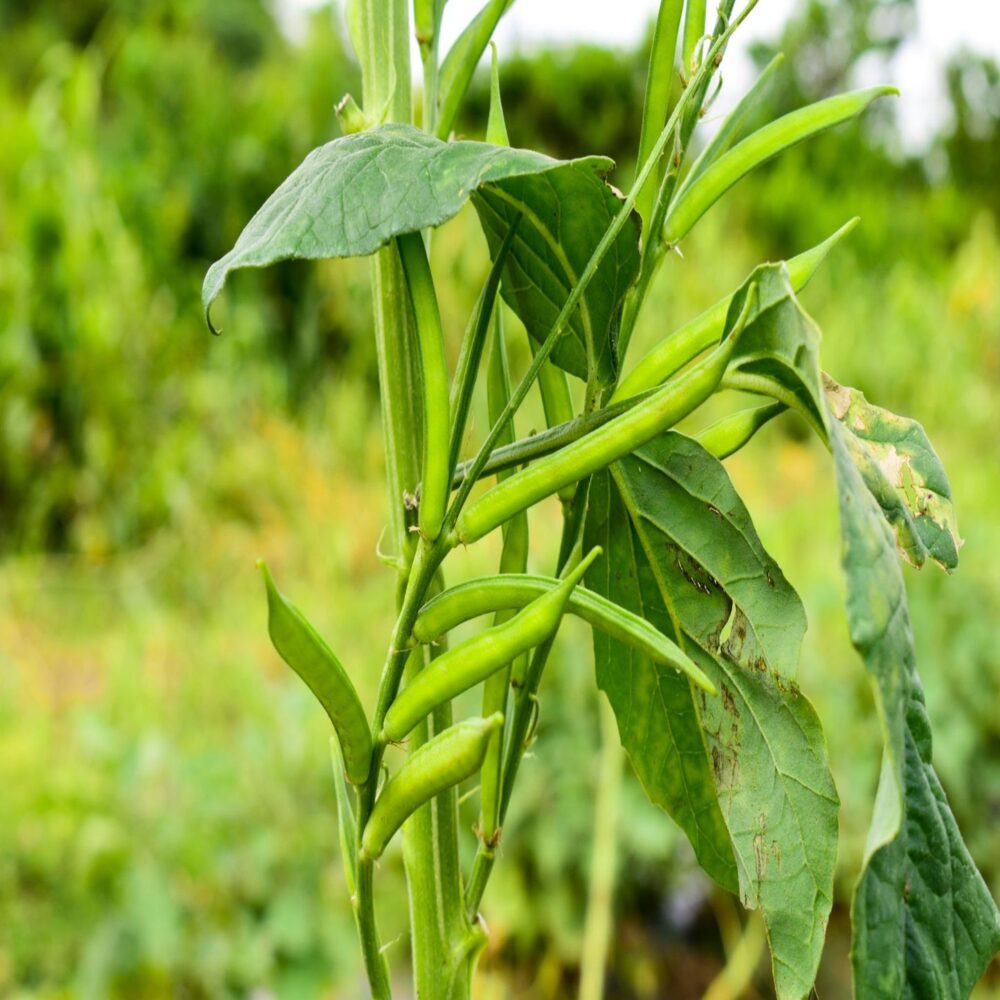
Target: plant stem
x=527, y=449
x=525, y=701
x=587, y=275
x=364, y=911
x=600, y=899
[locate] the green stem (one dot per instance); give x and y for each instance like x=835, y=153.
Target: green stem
x=659, y=83
x=364, y=911
x=600, y=898
x=586, y=276
x=525, y=700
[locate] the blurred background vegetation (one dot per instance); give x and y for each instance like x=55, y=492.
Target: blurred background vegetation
x=167, y=820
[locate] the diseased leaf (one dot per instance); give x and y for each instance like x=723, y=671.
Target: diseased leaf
x=687, y=554
x=569, y=209
x=904, y=474
x=353, y=195
x=924, y=922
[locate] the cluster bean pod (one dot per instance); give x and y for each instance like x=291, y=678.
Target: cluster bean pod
x=477, y=658
x=304, y=650
x=447, y=759
x=599, y=448
x=436, y=474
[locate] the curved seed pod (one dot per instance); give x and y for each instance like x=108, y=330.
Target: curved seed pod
x=474, y=660
x=304, y=650
x=436, y=476
x=595, y=450
x=685, y=344
x=447, y=759
x=731, y=433
x=756, y=149
x=469, y=600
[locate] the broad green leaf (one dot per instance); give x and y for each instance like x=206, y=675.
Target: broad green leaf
x=353, y=195
x=656, y=709
x=773, y=138
x=699, y=566
x=565, y=212
x=904, y=474
x=924, y=922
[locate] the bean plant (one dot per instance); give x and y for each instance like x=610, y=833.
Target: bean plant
x=696, y=630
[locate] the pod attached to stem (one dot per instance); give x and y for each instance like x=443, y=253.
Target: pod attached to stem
x=477, y=658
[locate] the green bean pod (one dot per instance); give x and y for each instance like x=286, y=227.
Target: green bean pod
x=758, y=148
x=304, y=650
x=686, y=343
x=595, y=450
x=477, y=658
x=444, y=761
x=436, y=475
x=731, y=433
x=469, y=600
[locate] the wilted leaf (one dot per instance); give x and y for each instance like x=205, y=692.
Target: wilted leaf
x=925, y=924
x=904, y=474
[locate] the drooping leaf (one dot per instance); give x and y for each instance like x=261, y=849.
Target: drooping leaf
x=924, y=922
x=356, y=193
x=565, y=212
x=903, y=472
x=683, y=551
x=780, y=349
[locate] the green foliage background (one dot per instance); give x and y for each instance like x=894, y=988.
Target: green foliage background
x=166, y=818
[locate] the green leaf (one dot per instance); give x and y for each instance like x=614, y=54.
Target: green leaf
x=924, y=922
x=353, y=195
x=566, y=212
x=904, y=474
x=775, y=137
x=683, y=552
x=779, y=350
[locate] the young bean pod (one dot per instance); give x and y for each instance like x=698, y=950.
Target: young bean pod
x=481, y=596
x=731, y=433
x=304, y=650
x=686, y=343
x=596, y=450
x=444, y=761
x=436, y=474
x=477, y=658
